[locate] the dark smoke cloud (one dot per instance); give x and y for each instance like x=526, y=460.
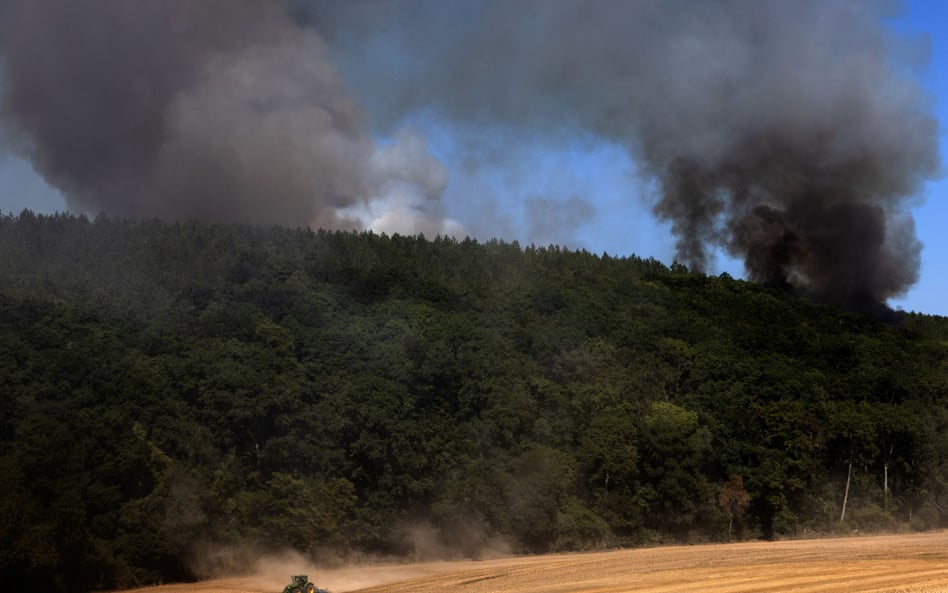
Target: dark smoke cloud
x=216, y=109
x=788, y=133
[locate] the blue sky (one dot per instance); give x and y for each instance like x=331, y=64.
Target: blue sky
x=591, y=181
x=930, y=294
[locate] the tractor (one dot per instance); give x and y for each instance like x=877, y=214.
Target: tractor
x=302, y=584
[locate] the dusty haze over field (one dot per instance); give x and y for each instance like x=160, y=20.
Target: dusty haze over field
x=916, y=563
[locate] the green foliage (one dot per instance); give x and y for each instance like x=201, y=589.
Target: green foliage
x=674, y=489
x=166, y=387
x=296, y=513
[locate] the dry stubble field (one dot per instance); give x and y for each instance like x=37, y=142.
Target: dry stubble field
x=915, y=563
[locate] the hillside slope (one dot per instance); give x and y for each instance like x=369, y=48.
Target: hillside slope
x=173, y=387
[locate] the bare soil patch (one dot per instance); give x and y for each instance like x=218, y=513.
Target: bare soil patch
x=916, y=563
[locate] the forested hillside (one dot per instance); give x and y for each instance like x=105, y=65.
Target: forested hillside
x=166, y=388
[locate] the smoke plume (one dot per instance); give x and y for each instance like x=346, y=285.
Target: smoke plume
x=224, y=110
x=790, y=134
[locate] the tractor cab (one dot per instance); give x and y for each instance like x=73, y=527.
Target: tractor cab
x=302, y=584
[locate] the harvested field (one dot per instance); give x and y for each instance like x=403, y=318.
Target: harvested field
x=915, y=563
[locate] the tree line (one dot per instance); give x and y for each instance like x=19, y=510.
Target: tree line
x=169, y=386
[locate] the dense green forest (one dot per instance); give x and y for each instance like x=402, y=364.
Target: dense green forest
x=172, y=386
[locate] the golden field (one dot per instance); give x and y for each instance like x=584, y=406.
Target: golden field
x=916, y=563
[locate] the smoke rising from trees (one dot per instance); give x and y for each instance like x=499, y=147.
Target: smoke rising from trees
x=791, y=135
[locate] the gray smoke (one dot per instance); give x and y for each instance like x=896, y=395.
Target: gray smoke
x=224, y=110
x=790, y=134
x=548, y=221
